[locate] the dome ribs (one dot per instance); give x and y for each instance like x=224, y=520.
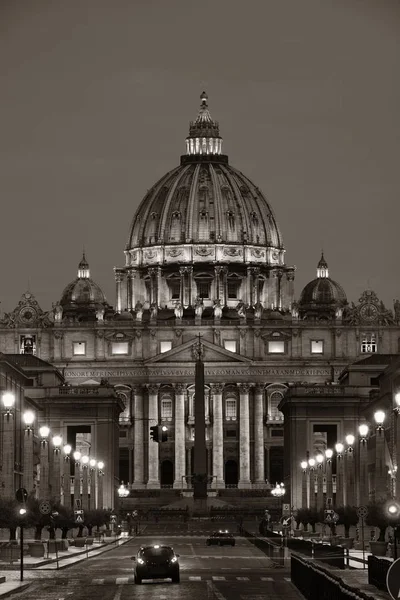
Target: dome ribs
x=241, y=204
x=191, y=206
x=166, y=204
x=219, y=229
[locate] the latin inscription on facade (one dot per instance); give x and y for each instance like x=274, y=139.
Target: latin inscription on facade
x=189, y=372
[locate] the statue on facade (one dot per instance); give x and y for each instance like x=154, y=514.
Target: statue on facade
x=386, y=315
x=295, y=310
x=396, y=306
x=350, y=314
x=198, y=307
x=58, y=312
x=153, y=311
x=100, y=314
x=139, y=311
x=339, y=312
x=241, y=309
x=178, y=310
x=258, y=311
x=217, y=309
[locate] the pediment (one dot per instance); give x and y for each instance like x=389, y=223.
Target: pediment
x=185, y=353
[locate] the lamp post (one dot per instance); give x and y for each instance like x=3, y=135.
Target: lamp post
x=28, y=418
x=92, y=483
x=278, y=492
x=8, y=446
x=66, y=476
x=100, y=475
x=44, y=432
x=56, y=470
x=85, y=481
x=380, y=467
x=329, y=482
x=339, y=475
x=396, y=410
x=123, y=492
x=304, y=465
x=363, y=492
x=320, y=481
x=349, y=488
x=77, y=480
x=312, y=497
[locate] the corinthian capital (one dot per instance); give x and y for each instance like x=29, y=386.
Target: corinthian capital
x=216, y=388
x=153, y=388
x=180, y=388
x=259, y=388
x=137, y=390
x=244, y=388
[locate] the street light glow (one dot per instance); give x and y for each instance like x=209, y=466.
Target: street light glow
x=339, y=447
x=100, y=465
x=85, y=459
x=77, y=455
x=328, y=453
x=379, y=417
x=57, y=441
x=8, y=400
x=397, y=398
x=363, y=430
x=311, y=462
x=304, y=464
x=350, y=439
x=29, y=417
x=320, y=458
x=44, y=431
x=92, y=463
x=67, y=449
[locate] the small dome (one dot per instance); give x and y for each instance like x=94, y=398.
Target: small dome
x=322, y=296
x=83, y=293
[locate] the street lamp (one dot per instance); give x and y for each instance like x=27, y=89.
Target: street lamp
x=66, y=477
x=320, y=481
x=304, y=465
x=380, y=466
x=44, y=432
x=349, y=488
x=8, y=449
x=56, y=474
x=339, y=447
x=123, y=492
x=28, y=418
x=100, y=475
x=85, y=481
x=363, y=495
x=77, y=480
x=379, y=417
x=329, y=482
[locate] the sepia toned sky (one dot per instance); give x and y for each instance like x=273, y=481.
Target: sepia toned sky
x=95, y=100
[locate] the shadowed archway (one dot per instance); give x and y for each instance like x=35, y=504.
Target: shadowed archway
x=167, y=472
x=231, y=472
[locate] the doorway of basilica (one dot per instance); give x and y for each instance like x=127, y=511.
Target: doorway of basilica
x=231, y=473
x=167, y=473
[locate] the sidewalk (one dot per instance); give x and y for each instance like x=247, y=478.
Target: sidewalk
x=65, y=559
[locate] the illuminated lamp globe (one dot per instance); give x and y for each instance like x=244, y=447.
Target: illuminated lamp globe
x=397, y=398
x=77, y=455
x=304, y=464
x=320, y=458
x=363, y=430
x=29, y=417
x=100, y=465
x=8, y=400
x=379, y=417
x=57, y=441
x=85, y=459
x=67, y=449
x=328, y=453
x=311, y=462
x=350, y=439
x=44, y=431
x=92, y=463
x=339, y=448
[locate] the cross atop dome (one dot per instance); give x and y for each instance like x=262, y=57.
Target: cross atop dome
x=322, y=268
x=203, y=135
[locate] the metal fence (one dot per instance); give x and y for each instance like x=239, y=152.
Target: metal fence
x=317, y=583
x=377, y=571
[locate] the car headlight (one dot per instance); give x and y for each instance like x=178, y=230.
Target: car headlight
x=174, y=559
x=140, y=561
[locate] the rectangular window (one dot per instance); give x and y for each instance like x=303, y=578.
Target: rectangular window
x=233, y=288
x=230, y=433
x=175, y=288
x=27, y=344
x=166, y=409
x=230, y=345
x=276, y=432
x=203, y=289
x=230, y=408
x=317, y=347
x=276, y=347
x=165, y=346
x=79, y=348
x=368, y=343
x=119, y=347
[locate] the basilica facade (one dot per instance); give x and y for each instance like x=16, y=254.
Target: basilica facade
x=204, y=257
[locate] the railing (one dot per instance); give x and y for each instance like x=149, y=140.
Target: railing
x=317, y=583
x=377, y=571
x=330, y=555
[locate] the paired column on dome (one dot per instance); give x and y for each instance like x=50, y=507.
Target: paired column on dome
x=155, y=285
x=132, y=289
x=186, y=291
x=290, y=288
x=276, y=294
x=253, y=288
x=119, y=276
x=217, y=435
x=138, y=451
x=259, y=469
x=244, y=437
x=153, y=470
x=180, y=442
x=221, y=283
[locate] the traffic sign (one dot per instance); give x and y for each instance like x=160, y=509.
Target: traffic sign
x=21, y=495
x=79, y=519
x=78, y=503
x=393, y=579
x=286, y=510
x=362, y=512
x=335, y=517
x=44, y=507
x=78, y=512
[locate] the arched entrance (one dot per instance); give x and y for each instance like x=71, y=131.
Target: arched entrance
x=167, y=472
x=231, y=472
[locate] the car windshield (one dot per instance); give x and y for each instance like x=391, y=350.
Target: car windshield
x=161, y=551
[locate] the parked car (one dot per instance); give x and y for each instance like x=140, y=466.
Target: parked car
x=221, y=538
x=156, y=562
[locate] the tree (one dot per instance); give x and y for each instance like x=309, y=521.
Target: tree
x=9, y=516
x=35, y=517
x=96, y=518
x=378, y=517
x=314, y=517
x=302, y=515
x=347, y=517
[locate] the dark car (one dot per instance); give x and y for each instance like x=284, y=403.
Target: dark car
x=156, y=562
x=221, y=538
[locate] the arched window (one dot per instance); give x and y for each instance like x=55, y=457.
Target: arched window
x=230, y=409
x=274, y=399
x=166, y=409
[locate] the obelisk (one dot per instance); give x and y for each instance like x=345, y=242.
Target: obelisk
x=200, y=455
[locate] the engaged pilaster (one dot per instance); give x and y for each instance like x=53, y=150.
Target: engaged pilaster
x=244, y=437
x=180, y=466
x=153, y=474
x=138, y=451
x=217, y=435
x=259, y=436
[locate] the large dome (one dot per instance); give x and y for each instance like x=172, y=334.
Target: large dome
x=205, y=201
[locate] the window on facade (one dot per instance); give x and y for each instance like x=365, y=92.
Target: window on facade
x=27, y=344
x=203, y=288
x=174, y=288
x=119, y=348
x=276, y=432
x=166, y=409
x=79, y=348
x=317, y=347
x=230, y=345
x=368, y=343
x=230, y=408
x=230, y=433
x=165, y=346
x=276, y=347
x=233, y=288
x=274, y=400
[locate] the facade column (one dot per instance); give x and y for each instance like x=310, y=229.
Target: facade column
x=350, y=490
x=249, y=287
x=153, y=467
x=329, y=482
x=363, y=491
x=180, y=441
x=100, y=477
x=138, y=424
x=28, y=460
x=85, y=482
x=217, y=275
x=44, y=470
x=255, y=288
x=259, y=470
x=129, y=290
x=339, y=480
x=118, y=281
x=275, y=289
x=290, y=289
x=304, y=485
x=217, y=434
x=380, y=465
x=191, y=300
x=244, y=437
x=184, y=286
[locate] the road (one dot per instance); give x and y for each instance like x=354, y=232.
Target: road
x=207, y=573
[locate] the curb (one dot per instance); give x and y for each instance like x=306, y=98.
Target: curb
x=16, y=588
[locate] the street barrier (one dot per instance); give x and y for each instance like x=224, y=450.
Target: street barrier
x=377, y=571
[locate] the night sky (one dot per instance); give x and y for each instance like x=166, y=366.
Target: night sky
x=95, y=101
